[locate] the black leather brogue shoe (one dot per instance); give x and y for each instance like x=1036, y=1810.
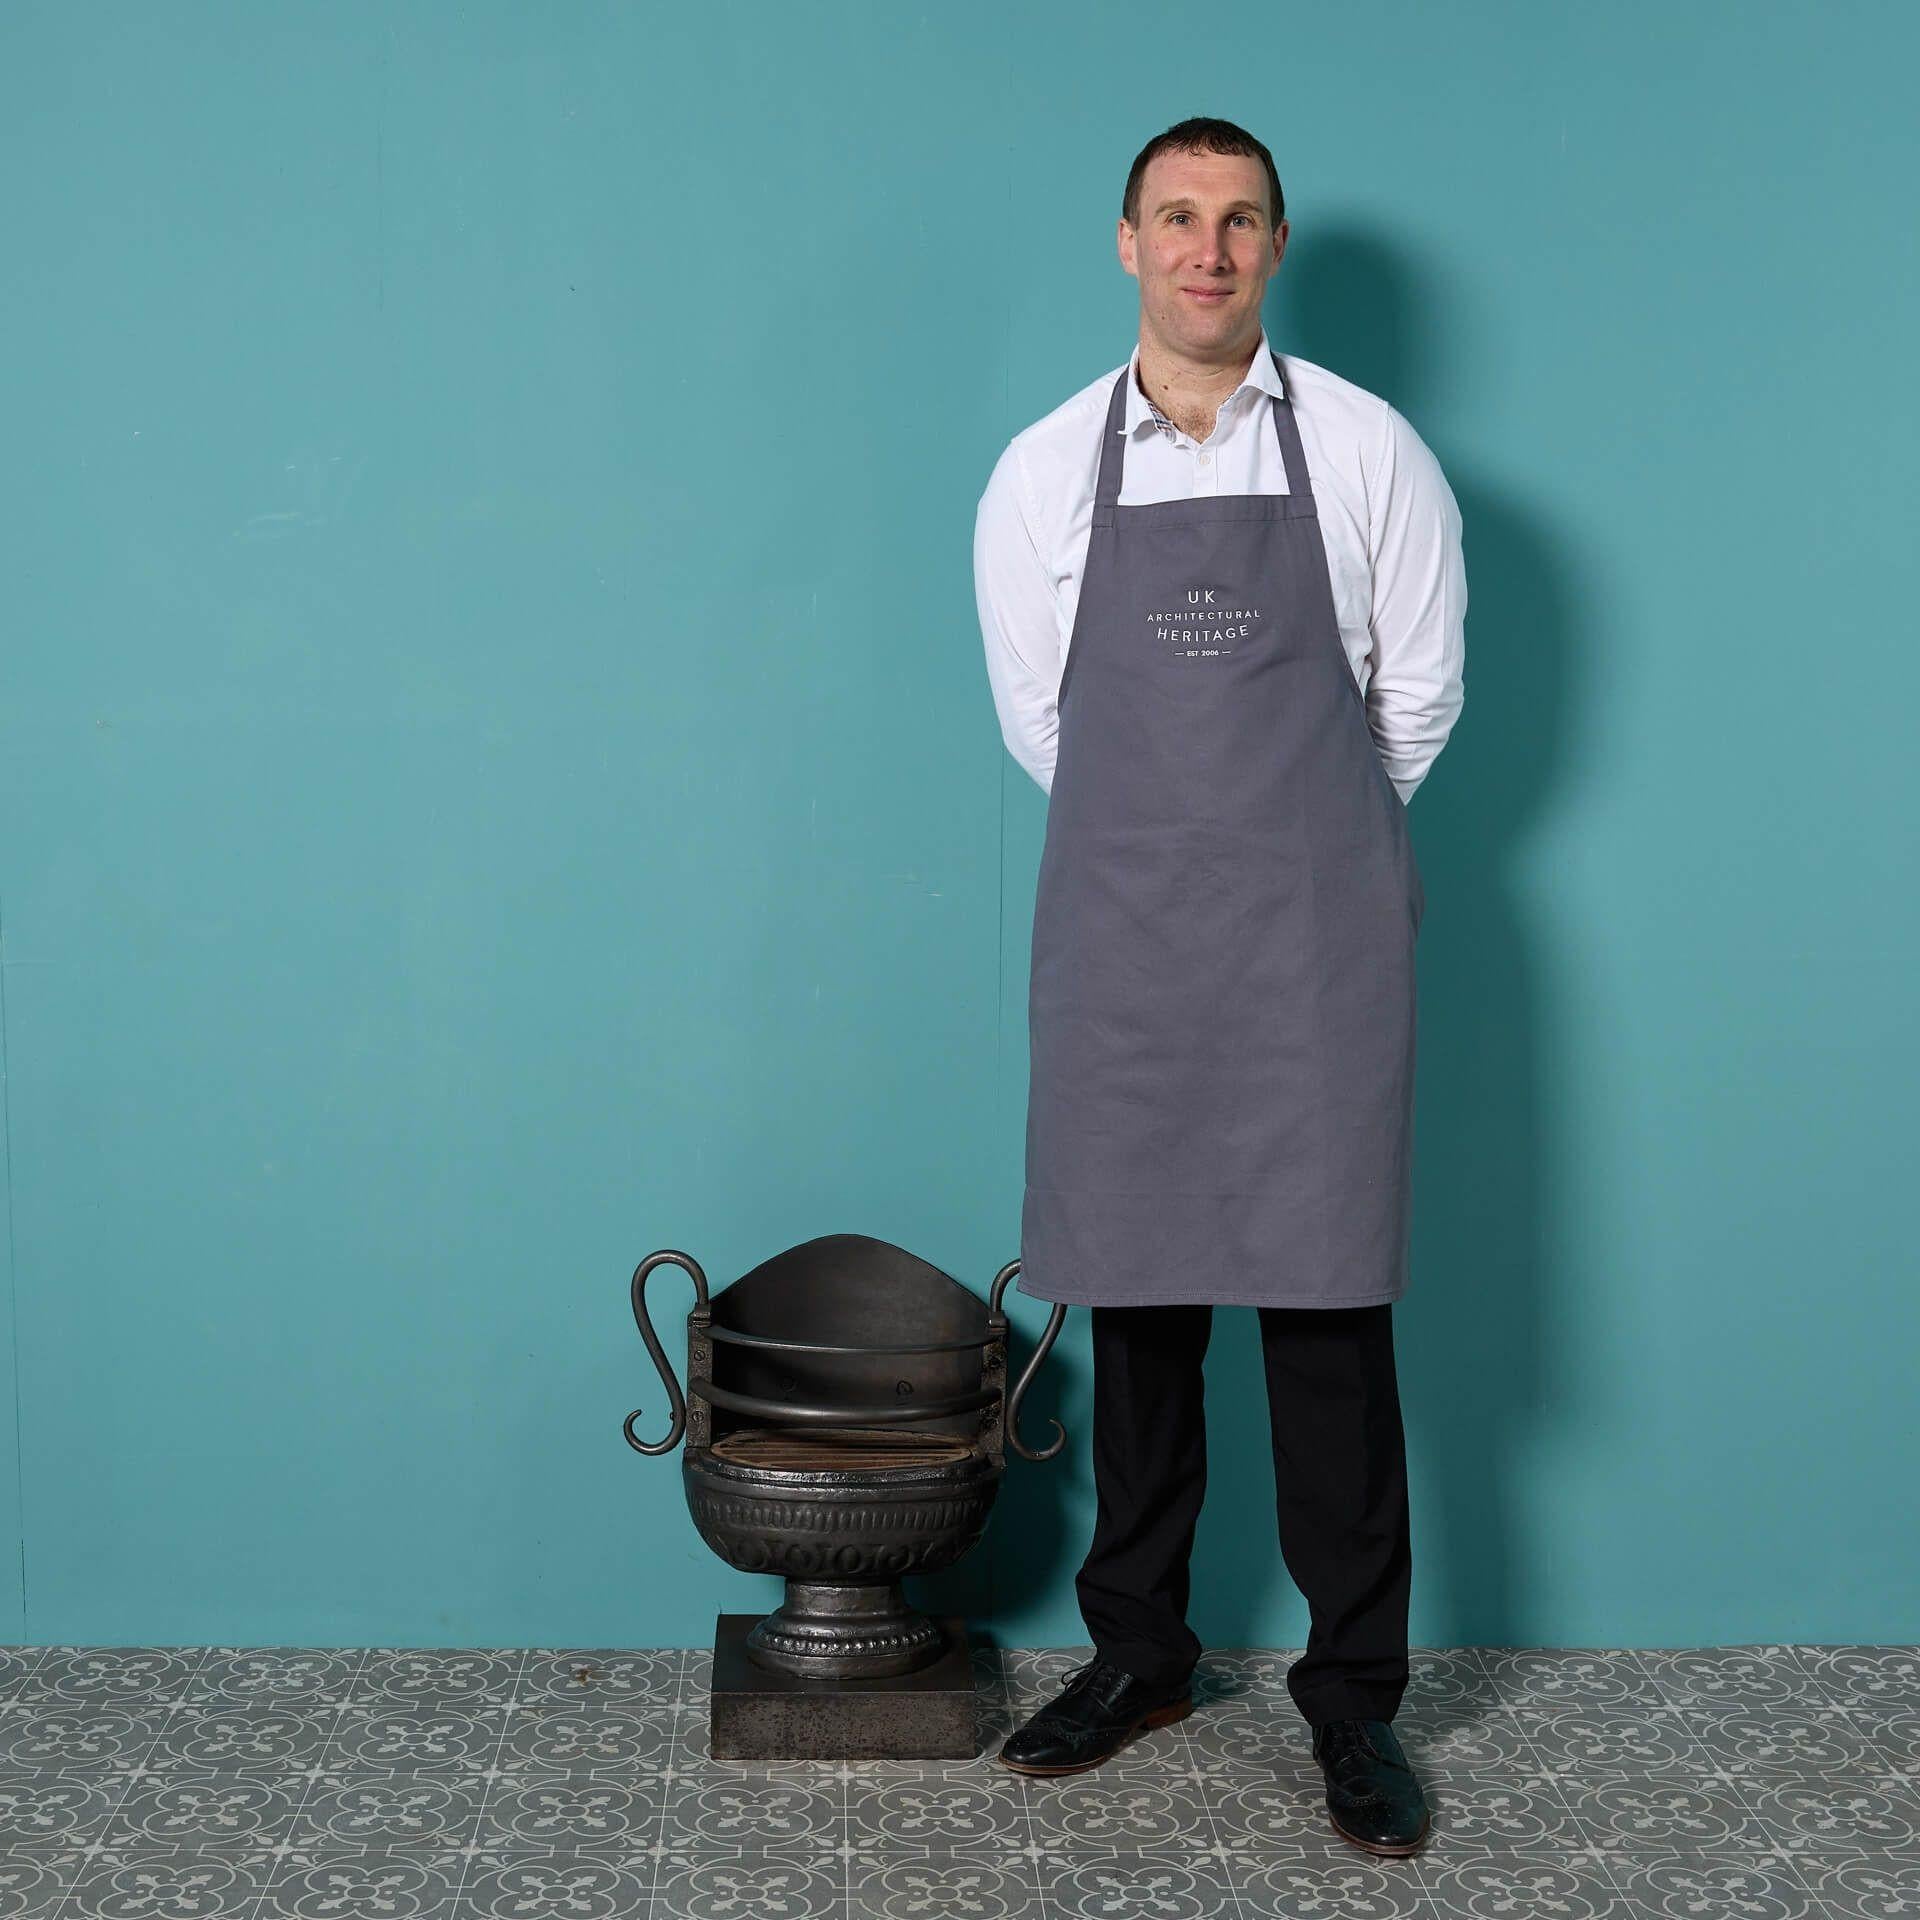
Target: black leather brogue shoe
x=1373, y=1798
x=1095, y=1714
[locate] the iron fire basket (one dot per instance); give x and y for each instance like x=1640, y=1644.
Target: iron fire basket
x=848, y=1427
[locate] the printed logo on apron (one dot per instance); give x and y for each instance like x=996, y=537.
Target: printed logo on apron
x=1207, y=628
x=1222, y=998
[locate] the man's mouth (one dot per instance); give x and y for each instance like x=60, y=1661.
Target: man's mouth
x=1208, y=295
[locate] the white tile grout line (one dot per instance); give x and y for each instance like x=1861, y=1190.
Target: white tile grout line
x=681, y=1668
x=171, y=1705
x=1024, y=1786
x=1736, y=1782
x=841, y=1846
x=1727, y=1775
x=133, y=1773
x=1606, y=1857
x=1183, y=1731
x=492, y=1771
x=1546, y=1772
x=315, y=1770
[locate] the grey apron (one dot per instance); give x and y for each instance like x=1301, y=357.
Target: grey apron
x=1222, y=997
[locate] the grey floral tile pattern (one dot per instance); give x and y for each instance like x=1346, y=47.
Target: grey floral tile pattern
x=316, y=1783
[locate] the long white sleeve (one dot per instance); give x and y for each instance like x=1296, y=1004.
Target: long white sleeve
x=1019, y=620
x=1419, y=606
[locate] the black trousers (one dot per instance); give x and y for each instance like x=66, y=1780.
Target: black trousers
x=1340, y=1474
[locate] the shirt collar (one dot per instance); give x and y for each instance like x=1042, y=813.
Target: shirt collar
x=1261, y=374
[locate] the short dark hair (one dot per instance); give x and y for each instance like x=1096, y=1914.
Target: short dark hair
x=1201, y=136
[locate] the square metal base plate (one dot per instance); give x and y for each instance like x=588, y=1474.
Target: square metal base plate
x=757, y=1714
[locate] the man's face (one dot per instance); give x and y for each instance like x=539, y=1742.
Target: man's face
x=1203, y=252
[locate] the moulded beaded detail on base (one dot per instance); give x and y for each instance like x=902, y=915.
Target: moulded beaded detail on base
x=778, y=1641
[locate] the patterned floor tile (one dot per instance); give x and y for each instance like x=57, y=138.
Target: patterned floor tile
x=188, y=1811
x=1448, y=1680
x=146, y=1884
x=443, y=1784
x=1862, y=1812
x=1590, y=1741
x=354, y=1884
x=1225, y=1675
x=438, y=1676
x=558, y=1737
x=1883, y=1679
x=1894, y=1736
x=1821, y=1739
x=721, y=1883
x=603, y=1884
x=934, y=1811
x=1334, y=1880
x=1177, y=1883
x=1266, y=1737
x=1091, y=1814
x=1569, y=1677
x=1488, y=1812
x=990, y=1883
x=1866, y=1886
x=389, y=1812
x=1464, y=1739
x=788, y=1816
x=1256, y=1817
x=1662, y=1813
x=570, y=1812
x=647, y=1678
x=404, y=1737
x=78, y=1739
x=49, y=1812
x=215, y=1736
x=1707, y=1886
x=33, y=1886
x=696, y=1674
x=15, y=1664
x=1750, y=1679
x=118, y=1676
x=277, y=1676
x=1574, y=1885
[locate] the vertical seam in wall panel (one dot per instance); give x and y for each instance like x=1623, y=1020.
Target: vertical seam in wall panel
x=13, y=1295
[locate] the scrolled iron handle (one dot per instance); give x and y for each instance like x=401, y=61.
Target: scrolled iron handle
x=678, y=1401
x=1032, y=1367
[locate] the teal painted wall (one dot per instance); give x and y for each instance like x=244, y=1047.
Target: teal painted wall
x=497, y=776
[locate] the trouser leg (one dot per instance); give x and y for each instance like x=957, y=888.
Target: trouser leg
x=1340, y=1473
x=1150, y=1473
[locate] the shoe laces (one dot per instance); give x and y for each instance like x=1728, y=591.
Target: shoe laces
x=1088, y=1673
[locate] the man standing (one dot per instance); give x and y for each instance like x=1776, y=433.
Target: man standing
x=1222, y=597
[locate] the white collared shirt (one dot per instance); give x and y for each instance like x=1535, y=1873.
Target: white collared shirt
x=1387, y=517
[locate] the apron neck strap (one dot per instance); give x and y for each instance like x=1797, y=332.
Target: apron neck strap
x=1106, y=491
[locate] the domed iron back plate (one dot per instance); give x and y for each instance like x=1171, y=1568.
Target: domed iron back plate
x=849, y=1290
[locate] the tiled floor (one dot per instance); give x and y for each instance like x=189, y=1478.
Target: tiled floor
x=1755, y=1783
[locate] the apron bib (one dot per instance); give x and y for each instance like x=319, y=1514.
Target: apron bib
x=1221, y=1003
